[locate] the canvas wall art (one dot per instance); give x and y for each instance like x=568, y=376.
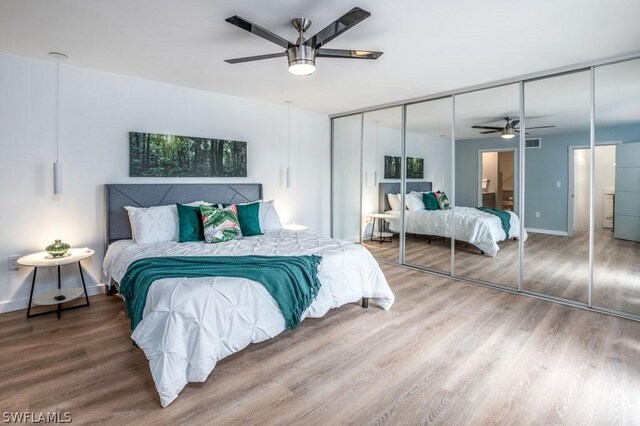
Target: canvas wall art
x=415, y=167
x=156, y=155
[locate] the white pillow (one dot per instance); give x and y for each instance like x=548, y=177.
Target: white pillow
x=394, y=201
x=414, y=202
x=269, y=219
x=153, y=224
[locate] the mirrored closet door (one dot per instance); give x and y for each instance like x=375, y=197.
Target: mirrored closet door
x=557, y=180
x=616, y=225
x=428, y=152
x=542, y=177
x=381, y=180
x=346, y=187
x=485, y=216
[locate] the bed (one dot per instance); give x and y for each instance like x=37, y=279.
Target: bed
x=190, y=324
x=476, y=227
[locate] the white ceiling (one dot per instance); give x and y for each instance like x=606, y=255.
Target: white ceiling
x=562, y=101
x=429, y=46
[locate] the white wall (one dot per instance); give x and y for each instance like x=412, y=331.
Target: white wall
x=97, y=111
x=605, y=178
x=435, y=151
x=346, y=174
x=581, y=179
x=490, y=170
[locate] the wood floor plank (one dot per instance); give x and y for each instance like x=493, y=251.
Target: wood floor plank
x=446, y=353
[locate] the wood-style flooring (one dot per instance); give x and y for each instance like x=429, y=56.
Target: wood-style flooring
x=554, y=265
x=446, y=353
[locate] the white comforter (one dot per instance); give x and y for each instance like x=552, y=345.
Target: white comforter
x=190, y=324
x=483, y=230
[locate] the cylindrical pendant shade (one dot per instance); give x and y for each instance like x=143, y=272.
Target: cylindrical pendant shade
x=288, y=177
x=57, y=177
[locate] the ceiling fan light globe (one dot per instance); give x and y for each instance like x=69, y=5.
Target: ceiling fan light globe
x=507, y=136
x=302, y=68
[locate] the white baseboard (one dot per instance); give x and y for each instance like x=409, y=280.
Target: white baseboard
x=18, y=304
x=547, y=231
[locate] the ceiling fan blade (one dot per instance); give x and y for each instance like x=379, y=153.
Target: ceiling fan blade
x=514, y=122
x=540, y=127
x=497, y=129
x=490, y=131
x=255, y=58
x=342, y=53
x=337, y=27
x=258, y=30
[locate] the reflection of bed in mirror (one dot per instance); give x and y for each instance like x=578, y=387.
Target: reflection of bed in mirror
x=482, y=229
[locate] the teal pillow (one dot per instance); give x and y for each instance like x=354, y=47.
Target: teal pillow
x=190, y=219
x=249, y=218
x=430, y=201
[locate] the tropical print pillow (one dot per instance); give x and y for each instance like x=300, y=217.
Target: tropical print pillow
x=443, y=201
x=219, y=224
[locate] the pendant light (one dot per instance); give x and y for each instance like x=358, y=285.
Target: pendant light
x=57, y=166
x=289, y=177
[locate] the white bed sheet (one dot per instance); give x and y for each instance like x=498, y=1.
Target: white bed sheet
x=482, y=229
x=190, y=324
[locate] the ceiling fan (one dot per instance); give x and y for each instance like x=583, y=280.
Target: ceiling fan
x=303, y=53
x=509, y=130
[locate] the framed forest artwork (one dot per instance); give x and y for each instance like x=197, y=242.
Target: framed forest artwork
x=415, y=167
x=155, y=155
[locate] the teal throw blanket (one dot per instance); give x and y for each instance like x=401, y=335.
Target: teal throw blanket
x=291, y=280
x=503, y=215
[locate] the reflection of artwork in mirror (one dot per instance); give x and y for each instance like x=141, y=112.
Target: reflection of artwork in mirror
x=415, y=167
x=392, y=167
x=155, y=155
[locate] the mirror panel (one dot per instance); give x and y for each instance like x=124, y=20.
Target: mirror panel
x=485, y=215
x=616, y=260
x=345, y=163
x=428, y=151
x=557, y=179
x=381, y=162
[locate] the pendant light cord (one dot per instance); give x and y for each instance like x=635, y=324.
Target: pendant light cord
x=58, y=109
x=289, y=125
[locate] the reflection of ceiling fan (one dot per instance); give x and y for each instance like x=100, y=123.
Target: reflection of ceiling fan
x=302, y=54
x=509, y=130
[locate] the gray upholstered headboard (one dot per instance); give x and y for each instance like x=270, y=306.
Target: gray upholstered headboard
x=394, y=188
x=147, y=195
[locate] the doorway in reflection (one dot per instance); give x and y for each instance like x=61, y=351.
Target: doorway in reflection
x=497, y=190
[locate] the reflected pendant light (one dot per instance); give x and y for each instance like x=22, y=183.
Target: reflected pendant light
x=57, y=166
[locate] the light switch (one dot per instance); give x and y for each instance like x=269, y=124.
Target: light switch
x=537, y=214
x=558, y=184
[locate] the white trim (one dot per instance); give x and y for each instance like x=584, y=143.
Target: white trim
x=547, y=231
x=18, y=304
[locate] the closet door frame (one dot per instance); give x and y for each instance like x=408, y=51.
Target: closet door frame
x=520, y=80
